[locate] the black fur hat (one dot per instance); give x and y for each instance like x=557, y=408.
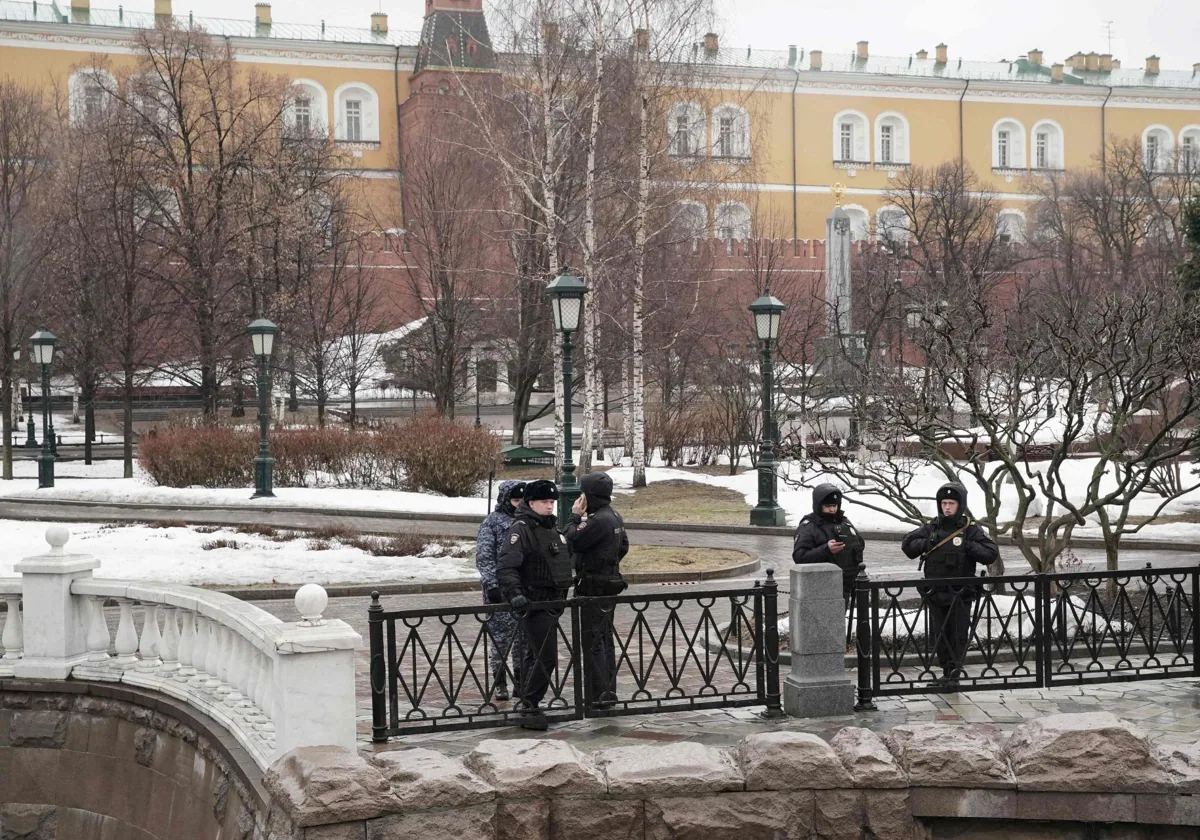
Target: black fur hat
x=543, y=488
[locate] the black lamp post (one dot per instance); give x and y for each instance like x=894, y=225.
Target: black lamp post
x=566, y=298
x=262, y=336
x=768, y=312
x=43, y=354
x=31, y=438
x=477, y=423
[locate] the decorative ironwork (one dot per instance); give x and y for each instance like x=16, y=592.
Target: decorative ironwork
x=672, y=652
x=1036, y=630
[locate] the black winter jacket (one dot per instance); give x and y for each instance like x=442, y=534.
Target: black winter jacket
x=816, y=530
x=957, y=556
x=598, y=545
x=534, y=560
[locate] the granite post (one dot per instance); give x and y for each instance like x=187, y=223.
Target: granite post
x=817, y=685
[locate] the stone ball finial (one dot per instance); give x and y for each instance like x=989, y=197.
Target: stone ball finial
x=311, y=600
x=57, y=536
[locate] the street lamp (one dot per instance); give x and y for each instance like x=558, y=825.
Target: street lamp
x=768, y=312
x=43, y=354
x=262, y=336
x=566, y=298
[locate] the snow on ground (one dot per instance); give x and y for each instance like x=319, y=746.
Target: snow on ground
x=176, y=555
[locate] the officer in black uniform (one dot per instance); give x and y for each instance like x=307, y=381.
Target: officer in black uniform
x=950, y=547
x=535, y=567
x=596, y=535
x=828, y=536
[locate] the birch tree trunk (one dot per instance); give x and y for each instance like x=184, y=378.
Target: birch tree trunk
x=638, y=396
x=549, y=167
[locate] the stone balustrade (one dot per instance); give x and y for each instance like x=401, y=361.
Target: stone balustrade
x=274, y=685
x=1059, y=776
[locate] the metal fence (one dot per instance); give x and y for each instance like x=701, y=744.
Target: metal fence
x=1024, y=631
x=436, y=669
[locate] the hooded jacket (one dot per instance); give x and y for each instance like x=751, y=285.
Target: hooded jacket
x=816, y=530
x=600, y=542
x=490, y=540
x=534, y=560
x=946, y=552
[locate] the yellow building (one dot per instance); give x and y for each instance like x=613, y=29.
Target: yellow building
x=790, y=124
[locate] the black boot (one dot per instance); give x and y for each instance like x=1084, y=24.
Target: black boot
x=533, y=719
x=500, y=689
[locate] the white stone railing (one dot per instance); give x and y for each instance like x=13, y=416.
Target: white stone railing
x=274, y=685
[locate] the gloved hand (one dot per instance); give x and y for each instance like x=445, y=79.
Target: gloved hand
x=520, y=605
x=494, y=596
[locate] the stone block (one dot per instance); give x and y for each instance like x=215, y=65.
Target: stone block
x=817, y=698
x=790, y=761
x=338, y=831
x=93, y=778
x=527, y=819
x=816, y=582
x=31, y=776
x=470, y=823
x=838, y=814
x=818, y=666
x=527, y=768
x=597, y=819
x=886, y=815
x=1167, y=809
x=1182, y=761
x=38, y=729
x=78, y=731
x=1057, y=806
x=673, y=769
x=968, y=803
x=28, y=822
x=818, y=627
x=760, y=815
x=867, y=759
x=318, y=785
x=1080, y=752
x=947, y=755
x=424, y=779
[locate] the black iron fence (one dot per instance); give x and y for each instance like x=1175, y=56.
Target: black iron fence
x=1024, y=631
x=479, y=666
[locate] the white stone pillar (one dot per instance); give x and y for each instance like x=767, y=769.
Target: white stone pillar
x=55, y=638
x=818, y=685
x=311, y=697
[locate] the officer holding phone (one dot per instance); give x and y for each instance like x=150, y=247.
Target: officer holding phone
x=828, y=536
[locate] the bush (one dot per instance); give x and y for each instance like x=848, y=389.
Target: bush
x=199, y=456
x=440, y=455
x=211, y=544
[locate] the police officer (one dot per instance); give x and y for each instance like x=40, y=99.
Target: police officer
x=596, y=535
x=950, y=546
x=828, y=536
x=535, y=567
x=493, y=533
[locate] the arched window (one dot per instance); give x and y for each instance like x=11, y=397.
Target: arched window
x=860, y=223
x=1047, y=145
x=850, y=143
x=306, y=112
x=690, y=221
x=891, y=225
x=88, y=91
x=357, y=116
x=1157, y=148
x=1010, y=226
x=730, y=132
x=1189, y=150
x=685, y=129
x=891, y=138
x=732, y=220
x=1008, y=144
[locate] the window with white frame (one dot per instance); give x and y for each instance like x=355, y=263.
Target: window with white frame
x=860, y=223
x=1156, y=148
x=305, y=113
x=1047, y=145
x=891, y=139
x=690, y=221
x=732, y=221
x=731, y=132
x=1189, y=150
x=87, y=92
x=1010, y=227
x=357, y=113
x=1008, y=145
x=685, y=125
x=891, y=225
x=850, y=138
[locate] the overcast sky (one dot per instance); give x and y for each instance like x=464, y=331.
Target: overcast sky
x=974, y=29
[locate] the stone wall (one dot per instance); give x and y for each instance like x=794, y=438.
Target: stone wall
x=1060, y=776
x=84, y=762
